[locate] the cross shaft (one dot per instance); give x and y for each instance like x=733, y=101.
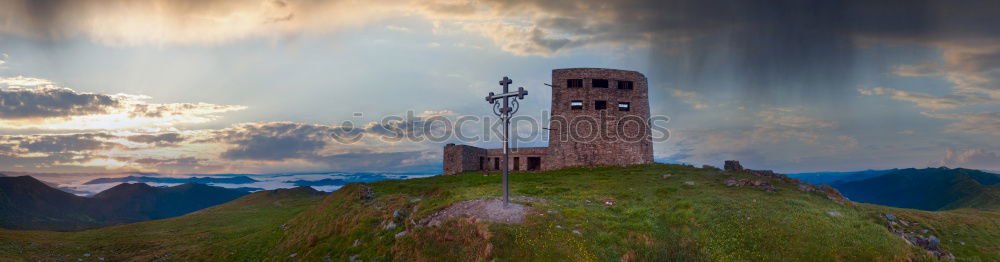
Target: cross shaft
x=504, y=114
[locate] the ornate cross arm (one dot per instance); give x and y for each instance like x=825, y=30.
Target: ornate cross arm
x=520, y=93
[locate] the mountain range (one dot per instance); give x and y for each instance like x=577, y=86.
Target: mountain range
x=28, y=203
x=925, y=189
x=174, y=180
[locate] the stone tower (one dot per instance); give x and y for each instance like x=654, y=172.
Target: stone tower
x=599, y=117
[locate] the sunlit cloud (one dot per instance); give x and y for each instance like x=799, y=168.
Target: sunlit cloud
x=690, y=97
x=51, y=107
x=986, y=123
x=972, y=158
x=929, y=101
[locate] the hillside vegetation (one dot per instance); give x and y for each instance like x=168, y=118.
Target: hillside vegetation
x=636, y=213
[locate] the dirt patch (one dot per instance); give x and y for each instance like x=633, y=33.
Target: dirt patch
x=528, y=199
x=491, y=210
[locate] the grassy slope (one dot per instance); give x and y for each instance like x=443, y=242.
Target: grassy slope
x=235, y=230
x=653, y=219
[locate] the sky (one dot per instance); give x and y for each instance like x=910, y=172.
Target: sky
x=226, y=86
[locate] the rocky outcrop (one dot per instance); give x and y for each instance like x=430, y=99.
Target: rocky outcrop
x=733, y=165
x=914, y=235
x=762, y=185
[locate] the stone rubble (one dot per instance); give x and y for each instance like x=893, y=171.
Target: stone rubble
x=932, y=244
x=825, y=190
x=762, y=185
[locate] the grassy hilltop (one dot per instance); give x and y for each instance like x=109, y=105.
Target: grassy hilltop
x=605, y=213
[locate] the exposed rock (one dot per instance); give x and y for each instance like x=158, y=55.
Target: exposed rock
x=577, y=232
x=733, y=165
x=762, y=185
x=366, y=193
x=805, y=187
x=390, y=226
x=357, y=242
x=690, y=183
x=400, y=214
x=709, y=167
x=401, y=234
x=293, y=255
x=608, y=201
x=932, y=244
x=831, y=193
x=834, y=213
x=667, y=176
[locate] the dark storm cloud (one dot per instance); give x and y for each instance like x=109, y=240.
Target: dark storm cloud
x=44, y=102
x=769, y=48
x=808, y=48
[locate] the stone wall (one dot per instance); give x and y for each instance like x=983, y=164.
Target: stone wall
x=522, y=155
x=458, y=158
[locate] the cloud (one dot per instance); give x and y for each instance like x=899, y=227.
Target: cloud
x=690, y=97
x=778, y=136
x=160, y=22
x=931, y=101
x=24, y=81
x=163, y=139
x=76, y=143
x=770, y=44
x=987, y=123
x=274, y=141
x=166, y=163
x=975, y=158
x=50, y=107
x=397, y=28
x=49, y=101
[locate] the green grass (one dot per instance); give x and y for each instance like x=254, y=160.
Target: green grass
x=652, y=219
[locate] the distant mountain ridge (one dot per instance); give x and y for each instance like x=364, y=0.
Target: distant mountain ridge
x=833, y=177
x=926, y=189
x=174, y=180
x=28, y=203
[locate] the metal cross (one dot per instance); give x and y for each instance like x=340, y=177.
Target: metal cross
x=504, y=112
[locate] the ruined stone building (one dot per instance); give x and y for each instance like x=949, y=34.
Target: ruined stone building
x=599, y=117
